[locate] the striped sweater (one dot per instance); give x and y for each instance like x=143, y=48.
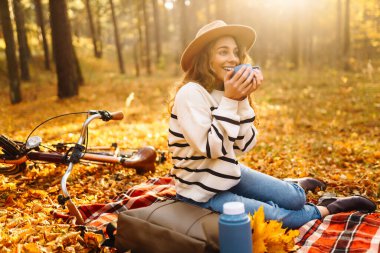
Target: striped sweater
x=206, y=133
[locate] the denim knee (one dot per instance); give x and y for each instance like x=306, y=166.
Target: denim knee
x=298, y=199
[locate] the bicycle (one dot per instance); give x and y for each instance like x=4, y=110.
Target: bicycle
x=15, y=154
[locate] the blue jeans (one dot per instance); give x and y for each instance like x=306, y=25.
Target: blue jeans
x=281, y=200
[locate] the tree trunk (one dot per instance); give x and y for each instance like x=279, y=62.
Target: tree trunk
x=136, y=59
x=378, y=17
x=78, y=70
x=117, y=41
x=307, y=15
x=183, y=24
x=139, y=29
x=92, y=30
x=294, y=57
x=147, y=38
x=157, y=30
x=41, y=24
x=338, y=33
x=99, y=29
x=221, y=10
x=208, y=10
x=63, y=49
x=10, y=51
x=21, y=38
x=346, y=38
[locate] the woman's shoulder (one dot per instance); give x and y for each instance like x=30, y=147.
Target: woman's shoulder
x=193, y=92
x=191, y=88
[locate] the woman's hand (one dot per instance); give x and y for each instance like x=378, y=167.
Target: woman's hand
x=243, y=83
x=258, y=79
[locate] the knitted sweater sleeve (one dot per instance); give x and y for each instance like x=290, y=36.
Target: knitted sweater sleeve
x=246, y=138
x=206, y=129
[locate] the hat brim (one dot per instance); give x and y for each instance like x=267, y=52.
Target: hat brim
x=244, y=35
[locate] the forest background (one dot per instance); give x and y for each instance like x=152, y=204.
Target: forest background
x=318, y=110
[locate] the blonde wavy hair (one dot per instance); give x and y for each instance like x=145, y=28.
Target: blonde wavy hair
x=200, y=71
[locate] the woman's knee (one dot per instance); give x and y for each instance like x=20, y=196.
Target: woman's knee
x=297, y=200
x=216, y=203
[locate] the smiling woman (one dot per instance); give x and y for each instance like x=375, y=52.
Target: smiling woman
x=224, y=57
x=211, y=124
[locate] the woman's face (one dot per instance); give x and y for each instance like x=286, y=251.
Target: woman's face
x=224, y=56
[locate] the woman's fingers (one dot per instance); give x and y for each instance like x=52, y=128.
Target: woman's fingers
x=245, y=75
x=245, y=81
x=257, y=80
x=259, y=76
x=238, y=74
x=248, y=80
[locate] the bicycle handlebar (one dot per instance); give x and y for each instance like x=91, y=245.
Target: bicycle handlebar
x=105, y=115
x=77, y=151
x=117, y=115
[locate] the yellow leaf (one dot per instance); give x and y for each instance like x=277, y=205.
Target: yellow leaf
x=269, y=236
x=31, y=248
x=51, y=236
x=258, y=227
x=93, y=239
x=38, y=193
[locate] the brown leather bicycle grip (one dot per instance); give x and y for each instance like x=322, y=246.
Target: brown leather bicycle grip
x=117, y=115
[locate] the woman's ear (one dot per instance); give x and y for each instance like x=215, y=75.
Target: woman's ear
x=212, y=69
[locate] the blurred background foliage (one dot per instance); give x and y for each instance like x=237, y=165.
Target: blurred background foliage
x=147, y=36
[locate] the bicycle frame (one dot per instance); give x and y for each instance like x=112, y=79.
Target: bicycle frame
x=77, y=150
x=77, y=154
x=143, y=160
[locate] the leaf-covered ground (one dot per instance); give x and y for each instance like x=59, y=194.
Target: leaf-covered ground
x=322, y=124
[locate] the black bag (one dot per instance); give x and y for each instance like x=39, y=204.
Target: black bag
x=168, y=227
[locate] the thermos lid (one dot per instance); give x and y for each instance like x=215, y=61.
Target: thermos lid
x=233, y=208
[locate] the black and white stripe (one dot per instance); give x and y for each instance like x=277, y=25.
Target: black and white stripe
x=220, y=137
x=205, y=187
x=179, y=145
x=228, y=120
x=207, y=170
x=192, y=158
x=250, y=120
x=179, y=135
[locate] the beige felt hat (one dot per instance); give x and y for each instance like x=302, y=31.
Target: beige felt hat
x=245, y=36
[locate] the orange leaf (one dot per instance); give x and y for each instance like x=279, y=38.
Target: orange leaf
x=31, y=248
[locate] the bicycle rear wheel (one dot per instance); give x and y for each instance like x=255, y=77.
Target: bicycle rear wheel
x=10, y=169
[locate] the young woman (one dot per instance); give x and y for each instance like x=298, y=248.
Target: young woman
x=212, y=123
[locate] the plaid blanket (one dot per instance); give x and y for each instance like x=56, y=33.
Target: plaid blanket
x=156, y=189
x=344, y=232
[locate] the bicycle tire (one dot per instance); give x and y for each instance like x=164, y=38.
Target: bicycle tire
x=11, y=169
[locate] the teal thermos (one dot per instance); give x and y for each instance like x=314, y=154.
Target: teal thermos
x=234, y=229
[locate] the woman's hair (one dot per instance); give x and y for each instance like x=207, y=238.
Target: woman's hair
x=200, y=70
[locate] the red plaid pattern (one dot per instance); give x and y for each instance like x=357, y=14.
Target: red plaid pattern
x=156, y=189
x=343, y=232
